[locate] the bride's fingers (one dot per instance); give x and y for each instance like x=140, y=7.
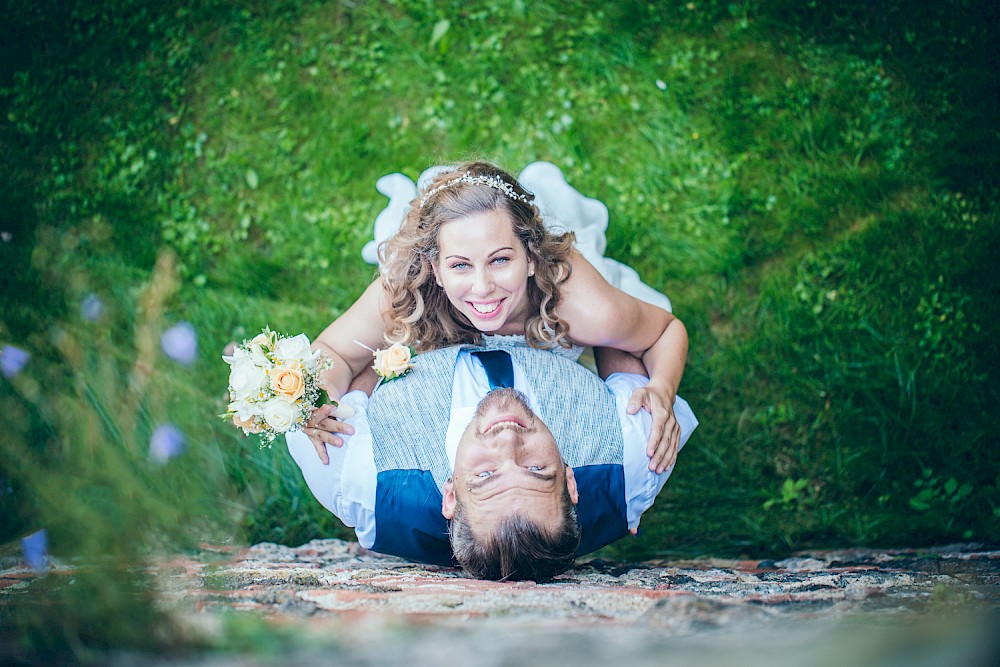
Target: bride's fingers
x=342, y=411
x=328, y=411
x=664, y=449
x=336, y=426
x=320, y=448
x=657, y=428
x=666, y=454
x=322, y=412
x=327, y=435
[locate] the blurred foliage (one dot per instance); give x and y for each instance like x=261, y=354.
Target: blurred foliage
x=815, y=186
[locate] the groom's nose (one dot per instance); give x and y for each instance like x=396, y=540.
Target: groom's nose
x=504, y=439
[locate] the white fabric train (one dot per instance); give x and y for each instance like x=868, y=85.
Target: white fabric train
x=563, y=208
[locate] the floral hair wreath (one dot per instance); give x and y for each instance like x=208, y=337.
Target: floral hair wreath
x=494, y=182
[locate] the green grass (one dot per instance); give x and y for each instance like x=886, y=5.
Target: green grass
x=814, y=187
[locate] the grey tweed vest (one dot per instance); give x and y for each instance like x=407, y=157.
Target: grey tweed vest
x=409, y=416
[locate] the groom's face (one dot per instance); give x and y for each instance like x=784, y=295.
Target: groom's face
x=508, y=463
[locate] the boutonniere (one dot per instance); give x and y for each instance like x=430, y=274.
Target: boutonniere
x=392, y=362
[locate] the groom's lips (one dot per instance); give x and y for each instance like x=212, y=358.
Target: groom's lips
x=505, y=418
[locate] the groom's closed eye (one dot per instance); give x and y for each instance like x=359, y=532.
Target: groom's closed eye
x=486, y=477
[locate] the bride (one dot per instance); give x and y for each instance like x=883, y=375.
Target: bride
x=475, y=255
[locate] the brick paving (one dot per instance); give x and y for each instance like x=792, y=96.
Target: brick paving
x=348, y=606
x=849, y=605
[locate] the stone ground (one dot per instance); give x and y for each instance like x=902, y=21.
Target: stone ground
x=343, y=605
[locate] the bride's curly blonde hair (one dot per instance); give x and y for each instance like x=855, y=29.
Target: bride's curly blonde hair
x=419, y=311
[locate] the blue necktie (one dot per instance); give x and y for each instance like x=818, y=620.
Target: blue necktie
x=499, y=368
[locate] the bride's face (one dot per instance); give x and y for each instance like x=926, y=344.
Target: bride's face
x=484, y=269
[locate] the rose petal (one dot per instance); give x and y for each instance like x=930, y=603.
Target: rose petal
x=166, y=442
x=180, y=343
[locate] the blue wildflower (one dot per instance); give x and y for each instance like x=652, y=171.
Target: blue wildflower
x=91, y=308
x=36, y=550
x=12, y=360
x=180, y=343
x=166, y=442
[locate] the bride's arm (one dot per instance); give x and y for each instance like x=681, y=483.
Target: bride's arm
x=363, y=322
x=599, y=314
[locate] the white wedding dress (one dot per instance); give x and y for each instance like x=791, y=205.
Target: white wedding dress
x=563, y=208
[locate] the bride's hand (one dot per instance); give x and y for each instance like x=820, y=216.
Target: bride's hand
x=665, y=434
x=323, y=427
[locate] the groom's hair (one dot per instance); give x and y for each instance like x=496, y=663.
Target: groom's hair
x=518, y=548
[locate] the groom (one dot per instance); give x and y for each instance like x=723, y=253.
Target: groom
x=458, y=461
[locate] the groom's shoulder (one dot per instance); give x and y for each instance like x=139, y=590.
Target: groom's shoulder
x=551, y=365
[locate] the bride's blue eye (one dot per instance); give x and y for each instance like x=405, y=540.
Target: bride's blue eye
x=459, y=265
x=501, y=260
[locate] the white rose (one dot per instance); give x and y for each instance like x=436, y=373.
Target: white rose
x=260, y=340
x=244, y=409
x=281, y=413
x=257, y=356
x=293, y=349
x=245, y=378
x=238, y=353
x=252, y=352
x=315, y=360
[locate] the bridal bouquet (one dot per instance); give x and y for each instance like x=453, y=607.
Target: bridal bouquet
x=274, y=384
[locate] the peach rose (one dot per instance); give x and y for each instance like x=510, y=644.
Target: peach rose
x=288, y=382
x=248, y=425
x=393, y=361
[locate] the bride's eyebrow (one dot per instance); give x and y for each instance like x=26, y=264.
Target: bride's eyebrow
x=466, y=259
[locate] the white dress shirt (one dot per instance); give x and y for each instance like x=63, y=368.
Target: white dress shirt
x=347, y=485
